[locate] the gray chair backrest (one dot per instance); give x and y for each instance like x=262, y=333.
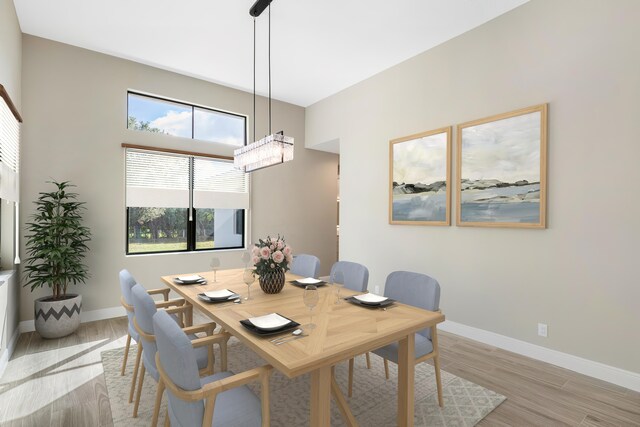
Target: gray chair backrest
x=418, y=290
x=178, y=360
x=354, y=276
x=306, y=265
x=126, y=283
x=144, y=308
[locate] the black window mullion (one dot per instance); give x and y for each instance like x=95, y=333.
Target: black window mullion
x=193, y=122
x=191, y=228
x=127, y=233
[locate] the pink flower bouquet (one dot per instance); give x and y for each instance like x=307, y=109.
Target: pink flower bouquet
x=271, y=254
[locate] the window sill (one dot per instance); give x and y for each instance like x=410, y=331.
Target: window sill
x=187, y=253
x=5, y=275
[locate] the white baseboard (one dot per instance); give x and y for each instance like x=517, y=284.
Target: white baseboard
x=85, y=316
x=6, y=355
x=621, y=377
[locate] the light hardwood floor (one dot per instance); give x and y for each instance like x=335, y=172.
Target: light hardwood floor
x=60, y=383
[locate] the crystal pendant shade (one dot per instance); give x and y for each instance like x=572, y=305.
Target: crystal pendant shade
x=270, y=150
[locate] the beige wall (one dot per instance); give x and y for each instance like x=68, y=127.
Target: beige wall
x=579, y=275
x=10, y=76
x=10, y=51
x=76, y=104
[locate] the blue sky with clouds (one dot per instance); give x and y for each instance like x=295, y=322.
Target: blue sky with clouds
x=175, y=119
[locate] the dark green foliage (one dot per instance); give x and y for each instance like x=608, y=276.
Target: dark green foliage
x=56, y=243
x=133, y=123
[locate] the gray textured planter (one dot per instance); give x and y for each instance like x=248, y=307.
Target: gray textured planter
x=55, y=319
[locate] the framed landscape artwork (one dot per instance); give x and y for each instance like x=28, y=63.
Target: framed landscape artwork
x=501, y=165
x=419, y=178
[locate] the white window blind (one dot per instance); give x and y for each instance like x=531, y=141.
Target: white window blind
x=9, y=153
x=156, y=180
x=218, y=185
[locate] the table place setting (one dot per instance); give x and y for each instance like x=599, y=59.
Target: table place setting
x=223, y=295
x=302, y=283
x=269, y=324
x=193, y=279
x=370, y=300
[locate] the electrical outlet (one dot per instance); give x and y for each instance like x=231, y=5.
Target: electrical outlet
x=376, y=290
x=543, y=330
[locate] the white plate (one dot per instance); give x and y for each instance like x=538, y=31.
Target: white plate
x=192, y=278
x=370, y=298
x=224, y=293
x=269, y=321
x=308, y=281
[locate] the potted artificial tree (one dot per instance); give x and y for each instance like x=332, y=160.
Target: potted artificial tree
x=56, y=246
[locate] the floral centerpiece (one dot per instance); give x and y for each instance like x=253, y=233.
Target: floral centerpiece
x=271, y=258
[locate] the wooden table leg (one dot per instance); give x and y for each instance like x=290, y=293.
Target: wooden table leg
x=406, y=365
x=341, y=401
x=321, y=397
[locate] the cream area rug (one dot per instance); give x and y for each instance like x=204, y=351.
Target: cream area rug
x=373, y=402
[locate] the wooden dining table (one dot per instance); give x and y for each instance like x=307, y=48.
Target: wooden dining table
x=343, y=330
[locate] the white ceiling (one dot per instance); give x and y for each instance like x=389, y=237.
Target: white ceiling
x=317, y=47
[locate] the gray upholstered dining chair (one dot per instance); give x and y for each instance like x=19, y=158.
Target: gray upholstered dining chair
x=144, y=309
x=127, y=282
x=353, y=276
x=306, y=265
x=418, y=290
x=221, y=399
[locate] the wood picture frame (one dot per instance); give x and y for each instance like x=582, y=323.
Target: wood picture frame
x=420, y=178
x=502, y=170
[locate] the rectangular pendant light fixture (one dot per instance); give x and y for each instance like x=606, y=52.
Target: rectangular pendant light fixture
x=270, y=150
x=275, y=148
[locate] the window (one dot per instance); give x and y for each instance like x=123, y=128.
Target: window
x=152, y=114
x=9, y=176
x=178, y=203
x=9, y=147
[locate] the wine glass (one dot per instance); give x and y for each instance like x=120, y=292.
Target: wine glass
x=215, y=263
x=246, y=257
x=310, y=298
x=249, y=276
x=337, y=280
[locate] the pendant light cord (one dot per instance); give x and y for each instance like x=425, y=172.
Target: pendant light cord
x=254, y=79
x=254, y=74
x=269, y=68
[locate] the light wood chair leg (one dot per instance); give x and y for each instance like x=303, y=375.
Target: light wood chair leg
x=436, y=364
x=135, y=372
x=140, y=381
x=167, y=423
x=126, y=354
x=386, y=368
x=265, y=401
x=208, y=411
x=368, y=360
x=156, y=409
x=350, y=390
x=223, y=355
x=211, y=360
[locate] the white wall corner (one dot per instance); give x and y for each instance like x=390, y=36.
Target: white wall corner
x=85, y=316
x=621, y=377
x=6, y=355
